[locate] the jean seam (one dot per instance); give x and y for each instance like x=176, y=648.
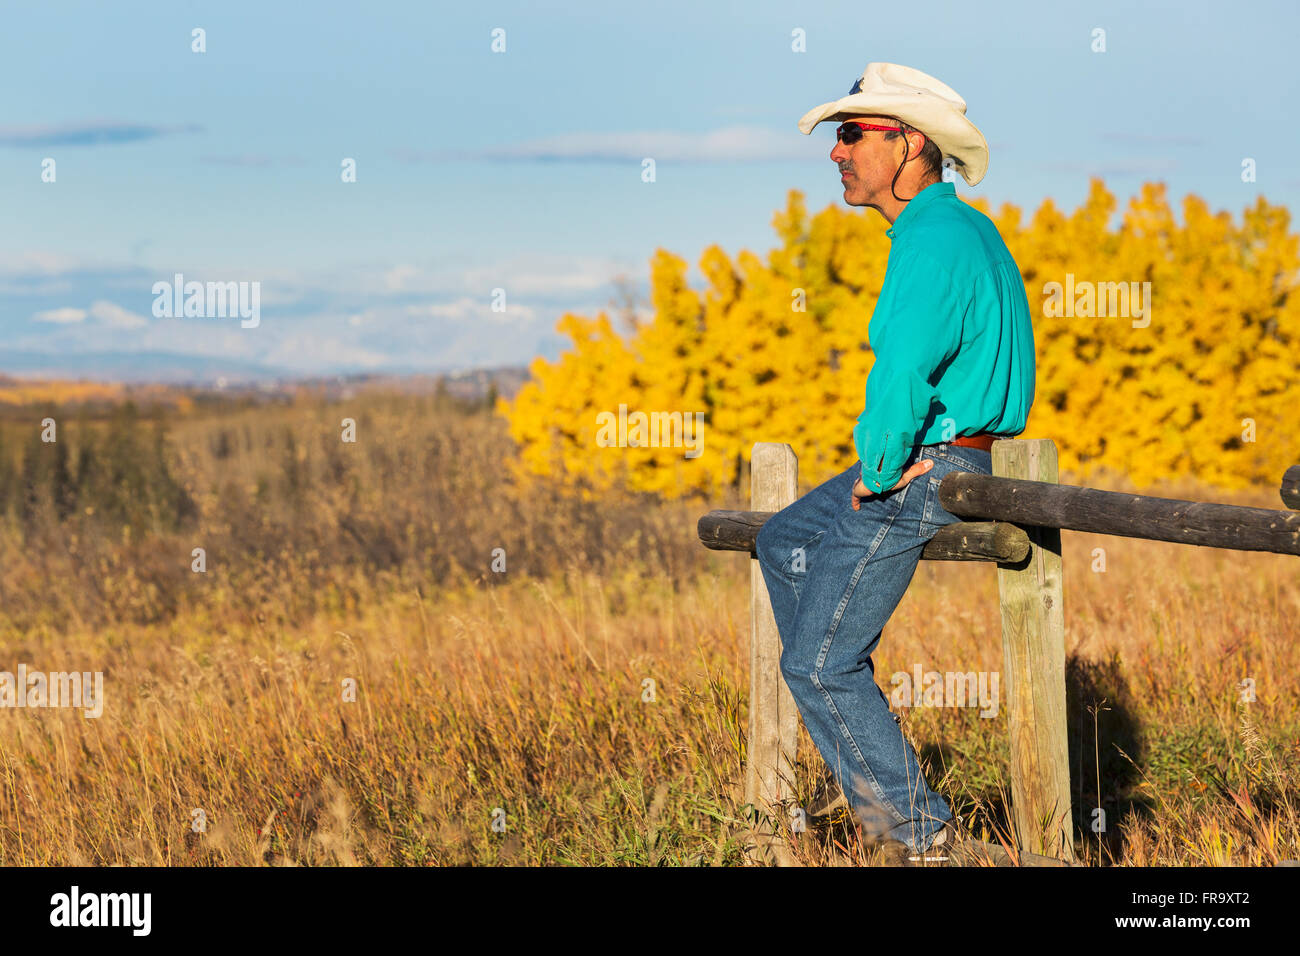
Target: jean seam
x=845, y=732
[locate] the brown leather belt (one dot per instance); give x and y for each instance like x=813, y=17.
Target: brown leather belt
x=983, y=441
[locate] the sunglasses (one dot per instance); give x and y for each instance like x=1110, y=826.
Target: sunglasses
x=850, y=132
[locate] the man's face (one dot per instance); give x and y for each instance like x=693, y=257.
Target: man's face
x=869, y=165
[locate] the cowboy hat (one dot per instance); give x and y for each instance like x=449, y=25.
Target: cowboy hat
x=919, y=100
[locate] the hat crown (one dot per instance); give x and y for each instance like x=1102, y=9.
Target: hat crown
x=920, y=101
x=898, y=80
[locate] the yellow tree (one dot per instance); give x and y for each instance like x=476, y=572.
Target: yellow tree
x=1197, y=376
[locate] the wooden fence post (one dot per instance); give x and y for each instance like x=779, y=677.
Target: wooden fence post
x=773, y=716
x=1033, y=654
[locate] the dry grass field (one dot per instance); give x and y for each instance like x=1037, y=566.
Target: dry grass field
x=520, y=696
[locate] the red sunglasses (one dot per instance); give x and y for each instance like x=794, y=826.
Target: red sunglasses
x=851, y=131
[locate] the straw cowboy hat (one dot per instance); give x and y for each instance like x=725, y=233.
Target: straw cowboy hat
x=919, y=100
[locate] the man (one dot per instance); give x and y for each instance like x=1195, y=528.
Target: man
x=954, y=368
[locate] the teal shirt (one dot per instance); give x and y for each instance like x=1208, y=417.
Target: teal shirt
x=952, y=335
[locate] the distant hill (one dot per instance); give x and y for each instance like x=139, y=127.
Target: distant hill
x=109, y=369
x=162, y=368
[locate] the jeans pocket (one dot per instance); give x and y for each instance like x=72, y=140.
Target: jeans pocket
x=797, y=562
x=933, y=516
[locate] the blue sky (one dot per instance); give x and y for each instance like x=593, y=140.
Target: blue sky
x=522, y=170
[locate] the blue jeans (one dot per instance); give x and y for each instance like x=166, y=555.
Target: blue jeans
x=835, y=576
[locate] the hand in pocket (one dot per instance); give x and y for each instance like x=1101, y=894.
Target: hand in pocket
x=860, y=493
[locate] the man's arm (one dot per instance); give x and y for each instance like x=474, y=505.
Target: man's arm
x=922, y=331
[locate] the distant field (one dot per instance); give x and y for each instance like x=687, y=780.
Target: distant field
x=519, y=695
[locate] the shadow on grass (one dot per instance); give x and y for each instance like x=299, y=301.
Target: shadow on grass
x=1090, y=686
x=1101, y=722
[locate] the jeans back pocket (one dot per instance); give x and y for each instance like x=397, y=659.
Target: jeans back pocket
x=933, y=517
x=933, y=514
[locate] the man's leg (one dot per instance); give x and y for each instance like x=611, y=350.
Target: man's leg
x=857, y=565
x=788, y=540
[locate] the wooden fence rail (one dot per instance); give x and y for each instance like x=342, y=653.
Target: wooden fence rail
x=1023, y=510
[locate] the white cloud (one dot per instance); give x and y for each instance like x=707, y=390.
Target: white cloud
x=194, y=336
x=456, y=311
x=272, y=293
x=397, y=278
x=730, y=144
x=116, y=316
x=466, y=309
x=309, y=352
x=538, y=274
x=61, y=315
x=421, y=313
x=33, y=263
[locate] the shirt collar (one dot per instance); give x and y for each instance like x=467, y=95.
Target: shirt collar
x=926, y=197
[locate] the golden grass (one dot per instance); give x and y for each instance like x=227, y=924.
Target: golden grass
x=526, y=691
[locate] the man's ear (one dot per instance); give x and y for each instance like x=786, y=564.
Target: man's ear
x=914, y=146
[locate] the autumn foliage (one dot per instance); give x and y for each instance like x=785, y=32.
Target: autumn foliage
x=777, y=350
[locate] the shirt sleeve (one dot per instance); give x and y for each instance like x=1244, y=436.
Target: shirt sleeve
x=921, y=332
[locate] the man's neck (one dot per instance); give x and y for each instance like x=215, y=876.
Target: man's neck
x=892, y=208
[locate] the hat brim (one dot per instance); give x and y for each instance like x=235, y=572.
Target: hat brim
x=955, y=135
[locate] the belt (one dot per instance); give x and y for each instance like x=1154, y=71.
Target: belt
x=983, y=441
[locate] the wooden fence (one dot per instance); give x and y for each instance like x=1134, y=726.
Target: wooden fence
x=1013, y=519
